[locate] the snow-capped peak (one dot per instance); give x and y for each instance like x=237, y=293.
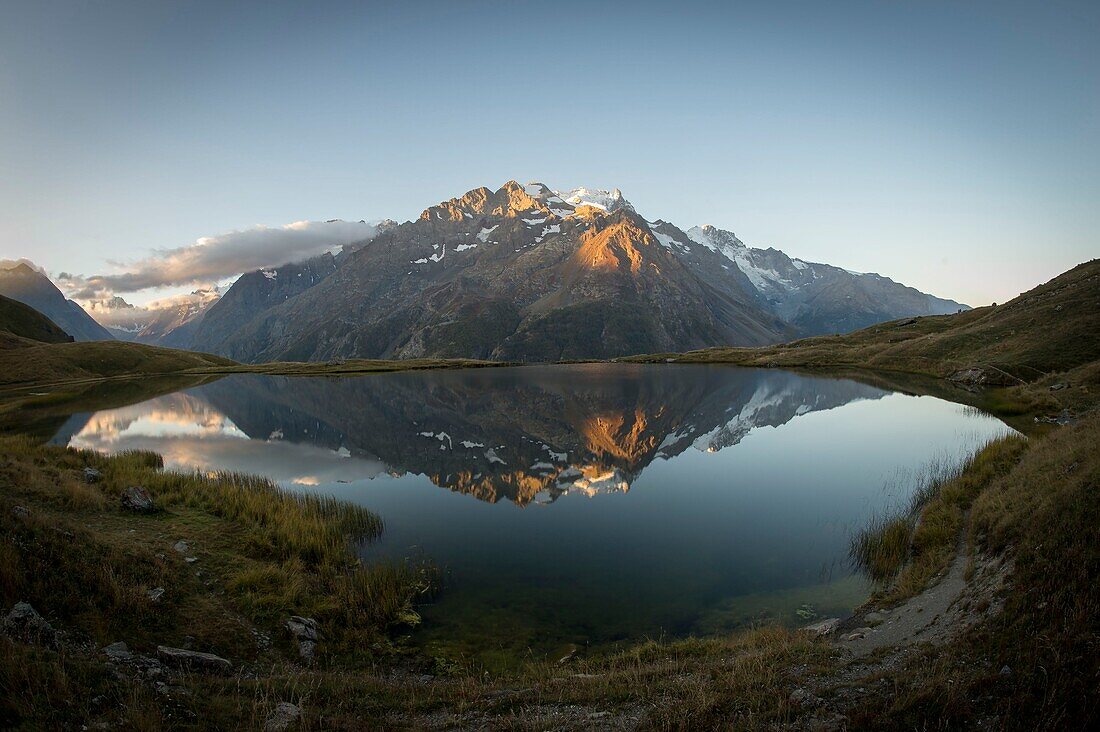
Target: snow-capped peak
x=717, y=240
x=607, y=200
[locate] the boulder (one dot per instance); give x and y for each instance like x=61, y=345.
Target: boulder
x=137, y=499
x=20, y=512
x=23, y=623
x=306, y=632
x=181, y=546
x=193, y=660
x=155, y=594
x=91, y=475
x=285, y=716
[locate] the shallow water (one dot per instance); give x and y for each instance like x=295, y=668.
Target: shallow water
x=585, y=504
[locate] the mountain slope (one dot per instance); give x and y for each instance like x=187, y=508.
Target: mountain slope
x=252, y=294
x=820, y=298
x=529, y=273
x=508, y=275
x=32, y=288
x=24, y=322
x=1049, y=329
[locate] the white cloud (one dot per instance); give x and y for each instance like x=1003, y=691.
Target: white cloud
x=215, y=258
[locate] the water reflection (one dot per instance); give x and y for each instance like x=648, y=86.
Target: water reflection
x=529, y=435
x=685, y=499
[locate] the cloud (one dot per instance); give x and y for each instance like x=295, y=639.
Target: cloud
x=13, y=263
x=215, y=258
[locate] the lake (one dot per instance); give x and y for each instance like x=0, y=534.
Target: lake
x=582, y=505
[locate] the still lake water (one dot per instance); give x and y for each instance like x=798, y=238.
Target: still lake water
x=586, y=504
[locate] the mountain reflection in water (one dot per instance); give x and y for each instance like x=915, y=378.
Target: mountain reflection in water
x=744, y=486
x=523, y=435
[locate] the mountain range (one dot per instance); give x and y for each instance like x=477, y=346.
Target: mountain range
x=528, y=273
x=525, y=273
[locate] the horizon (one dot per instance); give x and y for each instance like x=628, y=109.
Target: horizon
x=926, y=144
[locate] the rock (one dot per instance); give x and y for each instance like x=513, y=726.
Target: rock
x=874, y=618
x=284, y=717
x=306, y=632
x=194, y=660
x=118, y=652
x=975, y=376
x=21, y=512
x=190, y=560
x=857, y=634
x=181, y=546
x=137, y=499
x=1005, y=671
x=907, y=321
x=823, y=627
x=23, y=623
x=1058, y=387
x=155, y=594
x=801, y=697
x=91, y=475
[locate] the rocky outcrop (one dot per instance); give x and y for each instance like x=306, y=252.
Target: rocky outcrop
x=24, y=624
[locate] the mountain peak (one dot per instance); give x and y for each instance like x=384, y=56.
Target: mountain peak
x=597, y=197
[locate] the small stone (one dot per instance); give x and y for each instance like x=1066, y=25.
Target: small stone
x=823, y=627
x=91, y=475
x=1058, y=387
x=283, y=718
x=118, y=651
x=137, y=499
x=21, y=512
x=190, y=560
x=23, y=623
x=801, y=697
x=193, y=660
x=181, y=546
x=155, y=594
x=1005, y=671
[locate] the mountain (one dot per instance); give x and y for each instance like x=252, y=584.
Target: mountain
x=819, y=299
x=24, y=322
x=253, y=294
x=529, y=273
x=30, y=287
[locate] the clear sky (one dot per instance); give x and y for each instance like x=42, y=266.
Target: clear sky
x=953, y=146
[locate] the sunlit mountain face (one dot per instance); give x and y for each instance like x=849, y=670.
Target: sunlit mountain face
x=487, y=434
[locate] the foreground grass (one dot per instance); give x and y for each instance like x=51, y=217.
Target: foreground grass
x=259, y=555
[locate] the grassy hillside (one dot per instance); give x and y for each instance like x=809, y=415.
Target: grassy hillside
x=46, y=364
x=1052, y=328
x=24, y=322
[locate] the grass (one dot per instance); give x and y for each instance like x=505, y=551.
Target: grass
x=262, y=554
x=19, y=321
x=903, y=551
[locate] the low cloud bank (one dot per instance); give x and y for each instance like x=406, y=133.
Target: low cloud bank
x=215, y=258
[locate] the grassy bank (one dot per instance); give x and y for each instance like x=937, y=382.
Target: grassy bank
x=252, y=555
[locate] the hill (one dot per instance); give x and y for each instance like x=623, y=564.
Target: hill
x=31, y=287
x=1050, y=329
x=23, y=321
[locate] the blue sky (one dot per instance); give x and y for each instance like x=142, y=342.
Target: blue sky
x=952, y=146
